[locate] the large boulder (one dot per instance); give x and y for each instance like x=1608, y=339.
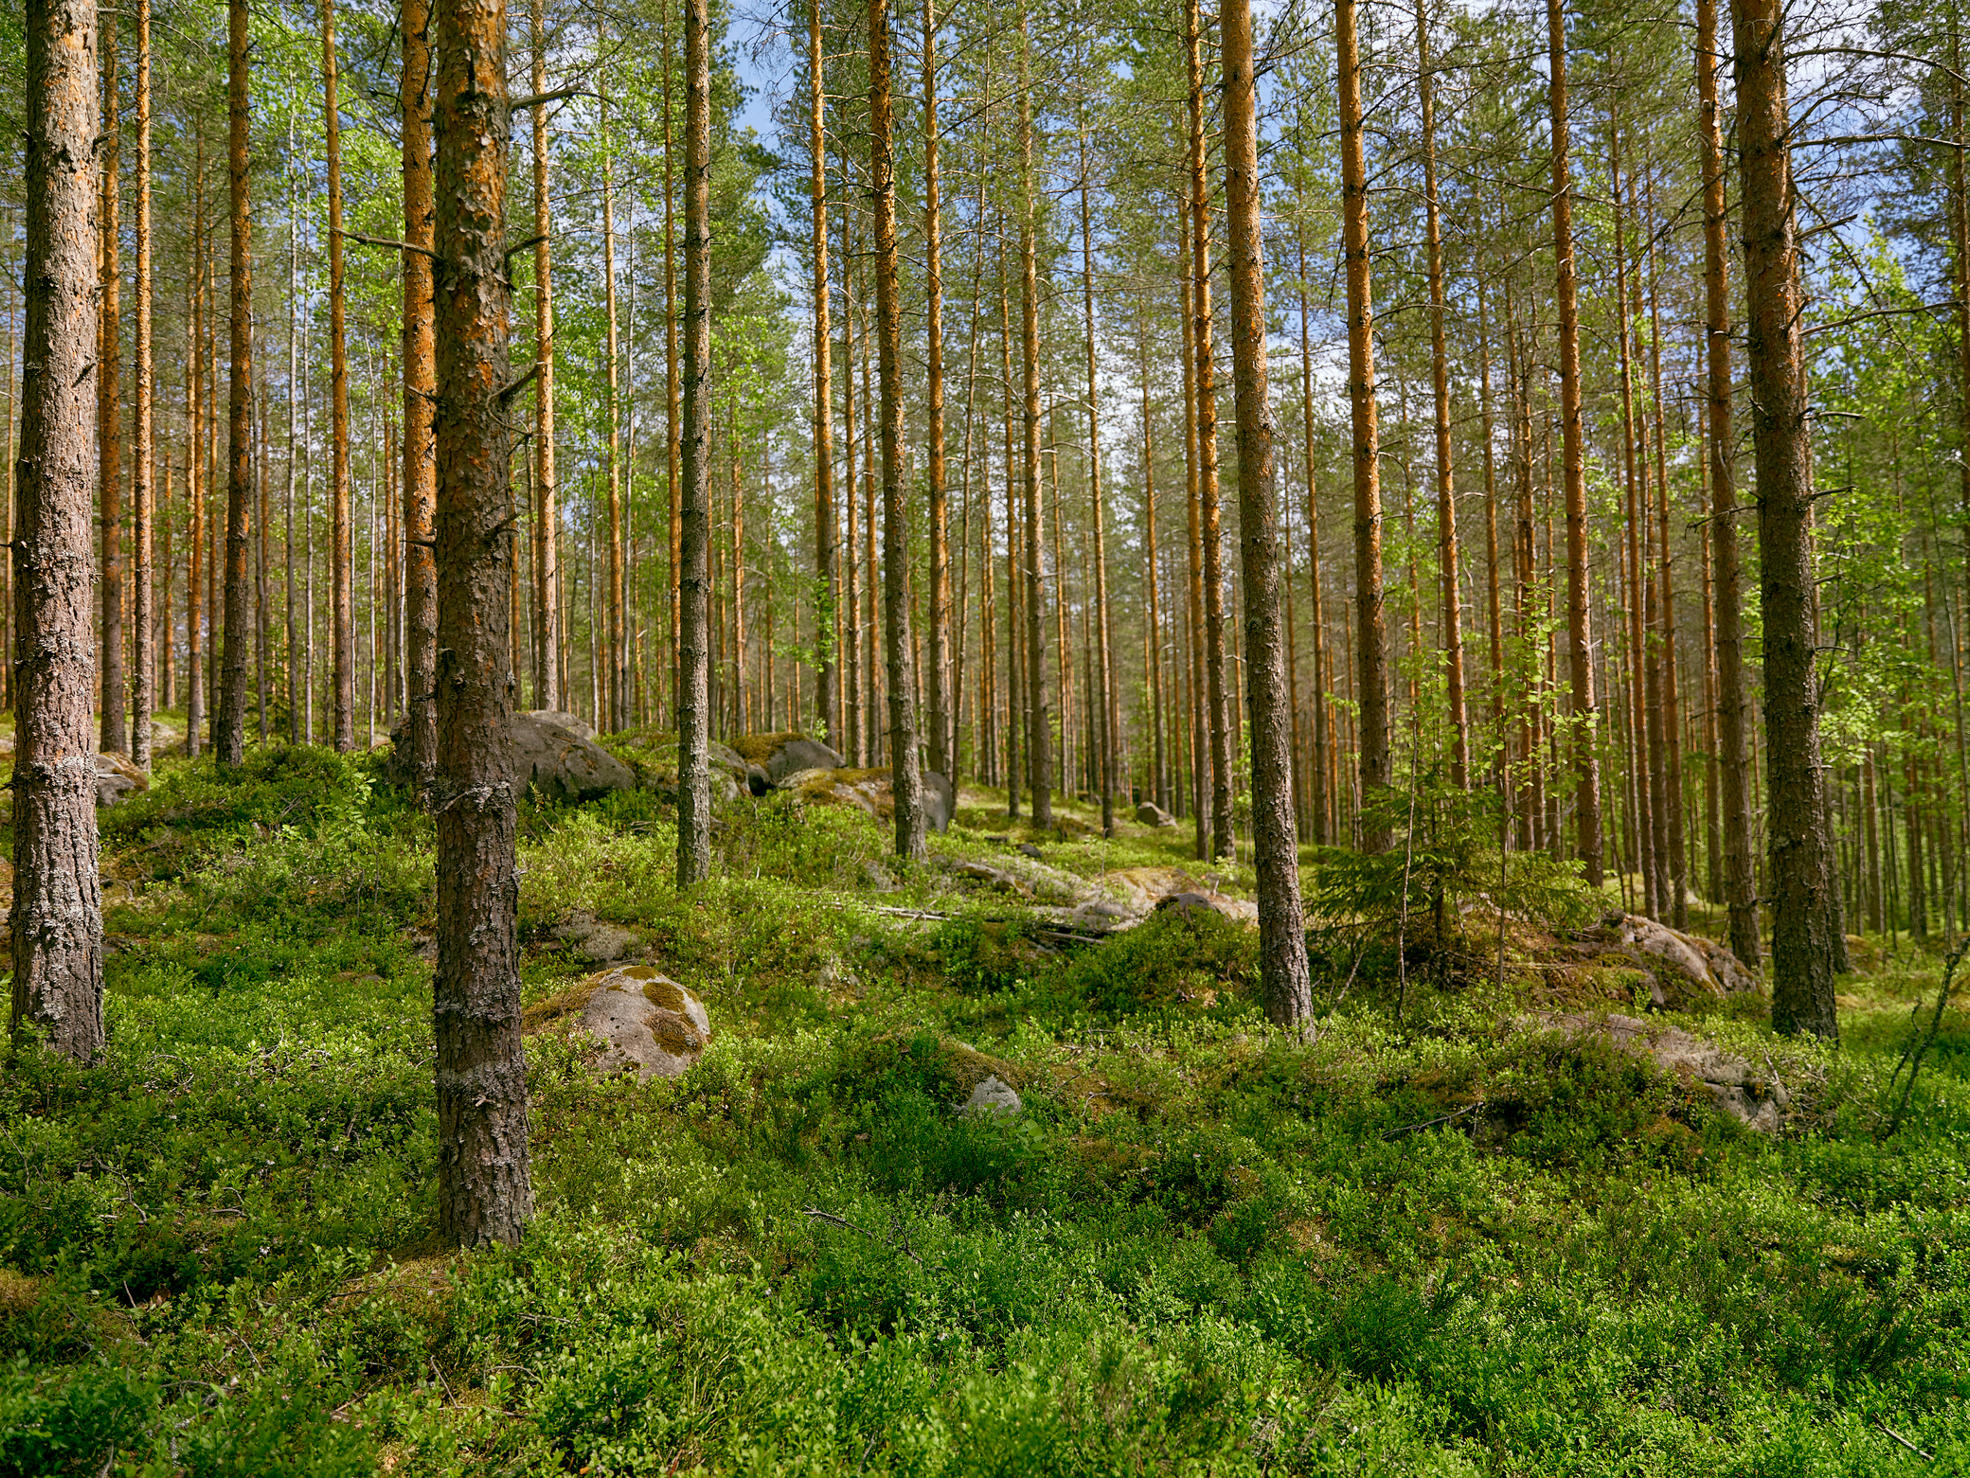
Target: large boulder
x=116, y=777
x=780, y=755
x=557, y=755
x=1681, y=967
x=1756, y=1099
x=871, y=791
x=1151, y=814
x=647, y=1022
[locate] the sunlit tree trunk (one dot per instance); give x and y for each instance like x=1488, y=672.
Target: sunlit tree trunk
x=57, y=895
x=195, y=413
x=1218, y=716
x=420, y=372
x=1800, y=870
x=906, y=773
x=1039, y=741
x=485, y=1191
x=1321, y=739
x=618, y=675
x=826, y=574
x=938, y=715
x=1108, y=722
x=1275, y=844
x=549, y=678
x=341, y=556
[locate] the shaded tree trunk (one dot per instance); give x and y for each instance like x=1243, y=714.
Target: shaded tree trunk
x=1587, y=800
x=1109, y=722
x=1371, y=641
x=1039, y=740
x=826, y=573
x=1733, y=762
x=938, y=715
x=1275, y=844
x=342, y=559
x=485, y=1192
x=230, y=741
x=143, y=440
x=549, y=680
x=109, y=397
x=1800, y=870
x=57, y=923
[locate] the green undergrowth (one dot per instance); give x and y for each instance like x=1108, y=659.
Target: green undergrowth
x=1421, y=1239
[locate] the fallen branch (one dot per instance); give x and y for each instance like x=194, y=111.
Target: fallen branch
x=1889, y=1431
x=1432, y=1123
x=842, y=1221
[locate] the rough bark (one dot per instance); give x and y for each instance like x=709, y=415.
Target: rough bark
x=109, y=398
x=906, y=773
x=230, y=740
x=420, y=471
x=484, y=1190
x=1275, y=846
x=57, y=925
x=1371, y=640
x=1587, y=797
x=1316, y=615
x=1800, y=870
x=693, y=701
x=1108, y=723
x=616, y=698
x=1733, y=761
x=195, y=413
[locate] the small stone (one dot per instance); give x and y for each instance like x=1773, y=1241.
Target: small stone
x=993, y=1095
x=1027, y=849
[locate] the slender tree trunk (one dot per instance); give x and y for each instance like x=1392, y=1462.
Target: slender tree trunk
x=230, y=742
x=1496, y=607
x=420, y=388
x=143, y=439
x=618, y=683
x=1446, y=505
x=1372, y=635
x=1587, y=800
x=1152, y=636
x=1316, y=616
x=1109, y=723
x=826, y=572
x=938, y=715
x=906, y=774
x=195, y=413
x=1039, y=751
x=109, y=396
x=1801, y=874
x=693, y=715
x=1740, y=886
x=1275, y=845
x=856, y=750
x=1676, y=871
x=57, y=904
x=1223, y=839
x=549, y=681
x=342, y=557
x=1641, y=803
x=1200, y=749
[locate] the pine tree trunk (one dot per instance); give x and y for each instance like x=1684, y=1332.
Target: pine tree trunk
x=906, y=774
x=1740, y=885
x=693, y=707
x=1108, y=723
x=1200, y=749
x=1801, y=874
x=1371, y=640
x=230, y=741
x=826, y=572
x=1446, y=505
x=673, y=389
x=485, y=1193
x=938, y=714
x=1321, y=739
x=109, y=398
x=195, y=413
x=1587, y=799
x=855, y=746
x=1275, y=844
x=1039, y=751
x=57, y=904
x=1641, y=802
x=617, y=688
x=1218, y=718
x=341, y=555
x=420, y=386
x=143, y=440
x=549, y=679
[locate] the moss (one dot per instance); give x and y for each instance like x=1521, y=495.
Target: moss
x=757, y=749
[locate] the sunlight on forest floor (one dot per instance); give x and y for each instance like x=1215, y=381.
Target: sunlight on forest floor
x=1202, y=1245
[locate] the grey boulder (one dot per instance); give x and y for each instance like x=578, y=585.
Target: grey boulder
x=797, y=754
x=1151, y=814
x=116, y=777
x=557, y=755
x=647, y=1023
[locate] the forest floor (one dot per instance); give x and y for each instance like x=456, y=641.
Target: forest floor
x=1202, y=1247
